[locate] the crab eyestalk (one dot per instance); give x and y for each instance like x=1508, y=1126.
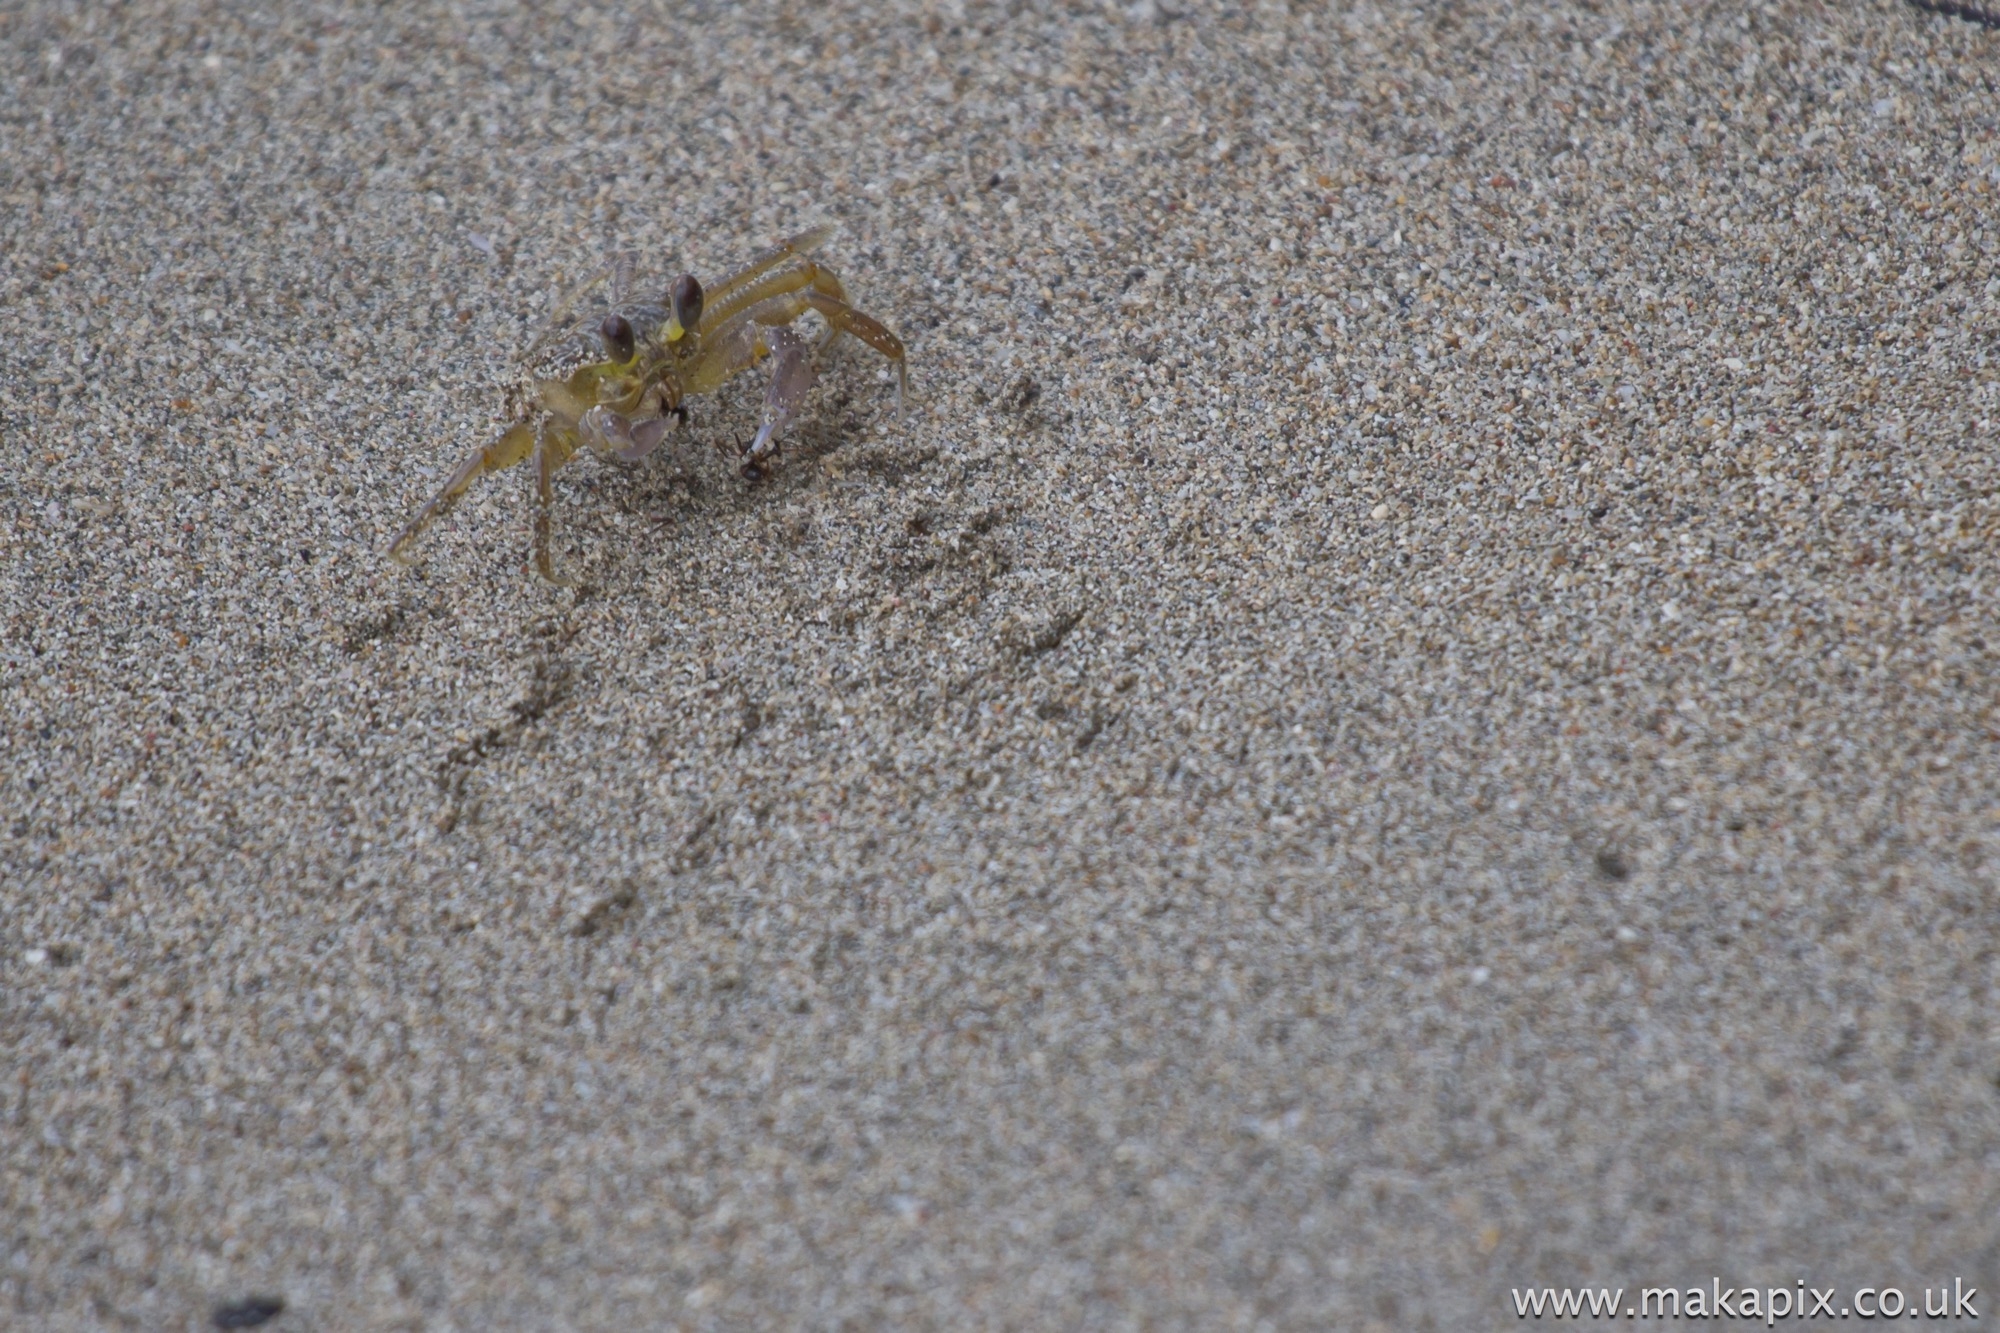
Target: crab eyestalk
x=684, y=299
x=619, y=340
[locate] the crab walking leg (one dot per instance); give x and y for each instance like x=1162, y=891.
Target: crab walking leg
x=800, y=246
x=624, y=265
x=551, y=452
x=737, y=344
x=791, y=378
x=513, y=445
x=760, y=298
x=827, y=283
x=555, y=324
x=844, y=318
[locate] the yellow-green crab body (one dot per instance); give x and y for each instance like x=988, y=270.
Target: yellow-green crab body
x=614, y=383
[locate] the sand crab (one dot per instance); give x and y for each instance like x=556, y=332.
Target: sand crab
x=614, y=381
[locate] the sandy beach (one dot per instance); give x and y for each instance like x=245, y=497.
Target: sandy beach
x=1409, y=710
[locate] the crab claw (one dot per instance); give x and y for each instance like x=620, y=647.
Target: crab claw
x=646, y=437
x=614, y=433
x=791, y=377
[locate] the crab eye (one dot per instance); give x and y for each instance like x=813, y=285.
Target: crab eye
x=616, y=331
x=685, y=298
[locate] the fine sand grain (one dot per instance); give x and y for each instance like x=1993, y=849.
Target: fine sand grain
x=1409, y=711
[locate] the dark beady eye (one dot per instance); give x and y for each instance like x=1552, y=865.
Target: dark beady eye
x=616, y=331
x=685, y=300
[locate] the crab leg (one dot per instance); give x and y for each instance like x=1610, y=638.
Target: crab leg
x=513, y=445
x=844, y=318
x=827, y=283
x=550, y=454
x=795, y=273
x=799, y=246
x=732, y=346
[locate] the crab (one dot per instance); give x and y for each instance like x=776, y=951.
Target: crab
x=614, y=382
